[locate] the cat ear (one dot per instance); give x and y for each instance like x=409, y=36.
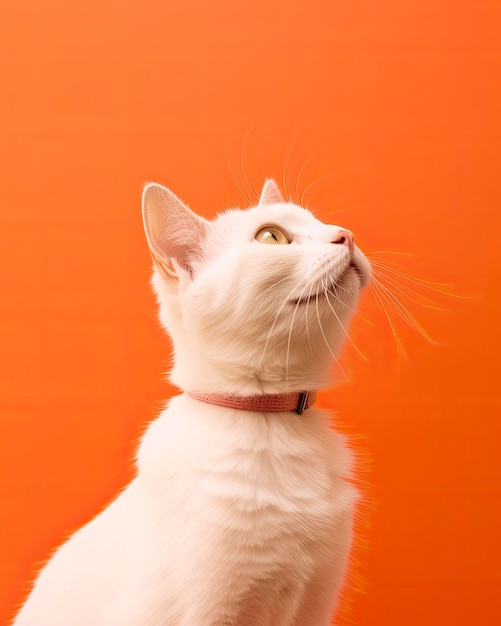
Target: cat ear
x=174, y=233
x=271, y=193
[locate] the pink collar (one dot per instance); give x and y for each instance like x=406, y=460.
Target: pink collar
x=275, y=402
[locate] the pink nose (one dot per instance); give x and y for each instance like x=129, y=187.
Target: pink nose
x=345, y=238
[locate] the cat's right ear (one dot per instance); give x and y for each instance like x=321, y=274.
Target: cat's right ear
x=270, y=193
x=174, y=233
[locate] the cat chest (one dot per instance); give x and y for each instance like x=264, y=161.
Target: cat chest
x=245, y=484
x=271, y=498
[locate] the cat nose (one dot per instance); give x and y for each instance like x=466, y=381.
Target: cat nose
x=345, y=237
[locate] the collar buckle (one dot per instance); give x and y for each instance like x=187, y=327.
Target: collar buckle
x=302, y=405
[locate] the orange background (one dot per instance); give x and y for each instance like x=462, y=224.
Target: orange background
x=98, y=98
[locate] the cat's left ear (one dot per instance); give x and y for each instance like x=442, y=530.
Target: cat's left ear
x=271, y=193
x=174, y=233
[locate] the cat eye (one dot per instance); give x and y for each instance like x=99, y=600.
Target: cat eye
x=271, y=235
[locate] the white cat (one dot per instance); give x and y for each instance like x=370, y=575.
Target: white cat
x=240, y=513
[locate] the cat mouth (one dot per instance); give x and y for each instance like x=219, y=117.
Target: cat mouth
x=332, y=287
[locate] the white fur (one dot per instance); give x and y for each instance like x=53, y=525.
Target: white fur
x=235, y=517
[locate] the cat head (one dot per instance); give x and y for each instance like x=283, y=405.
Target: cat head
x=257, y=300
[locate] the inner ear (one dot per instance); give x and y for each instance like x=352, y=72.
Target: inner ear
x=271, y=193
x=165, y=267
x=174, y=233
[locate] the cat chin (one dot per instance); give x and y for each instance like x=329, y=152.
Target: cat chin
x=344, y=290
x=358, y=272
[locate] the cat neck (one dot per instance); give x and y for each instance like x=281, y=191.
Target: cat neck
x=239, y=379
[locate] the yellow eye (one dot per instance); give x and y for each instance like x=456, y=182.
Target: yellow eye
x=271, y=235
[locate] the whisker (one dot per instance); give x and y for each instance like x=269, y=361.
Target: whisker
x=295, y=274
x=242, y=165
x=326, y=342
x=386, y=264
x=335, y=296
x=403, y=312
x=400, y=348
x=314, y=182
x=284, y=176
x=347, y=334
x=320, y=204
x=306, y=321
x=405, y=289
x=330, y=213
x=391, y=252
x=353, y=311
x=434, y=286
x=308, y=160
x=277, y=314
x=249, y=201
x=289, y=338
